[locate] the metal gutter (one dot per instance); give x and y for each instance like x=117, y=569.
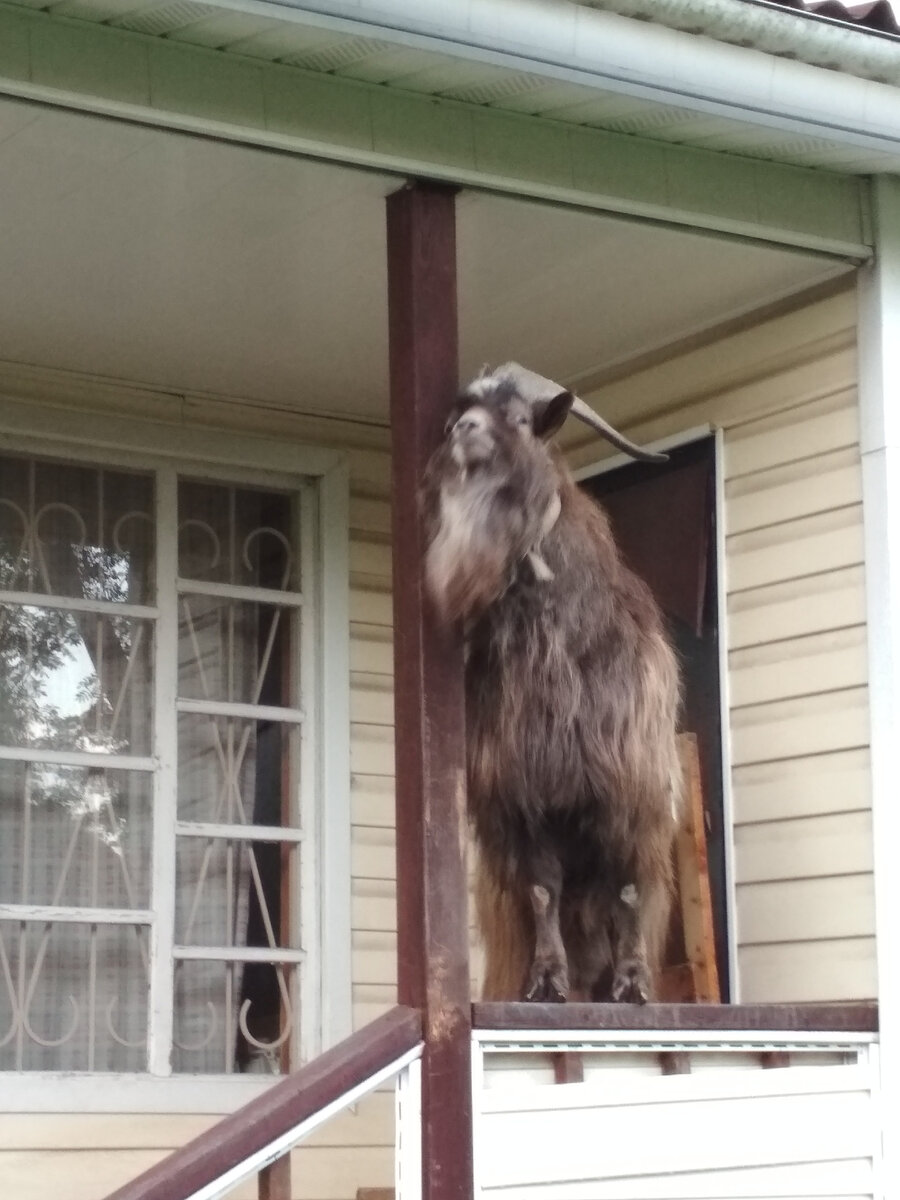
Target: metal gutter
x=679, y=52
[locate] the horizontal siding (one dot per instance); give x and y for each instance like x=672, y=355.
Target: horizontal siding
x=797, y=680
x=797, y=728
x=796, y=607
x=799, y=489
x=808, y=848
x=374, y=868
x=796, y=972
x=322, y=1174
x=806, y=910
x=804, y=666
x=814, y=545
x=82, y=1157
x=363, y=1126
x=836, y=781
x=728, y=1130
x=785, y=396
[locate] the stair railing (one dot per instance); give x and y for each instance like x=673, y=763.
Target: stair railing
x=268, y=1127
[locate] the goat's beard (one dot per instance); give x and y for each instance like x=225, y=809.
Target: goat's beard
x=481, y=522
x=467, y=563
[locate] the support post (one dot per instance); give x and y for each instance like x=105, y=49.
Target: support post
x=432, y=936
x=879, y=403
x=274, y=1181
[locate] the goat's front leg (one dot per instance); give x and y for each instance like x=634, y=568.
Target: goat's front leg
x=631, y=974
x=548, y=979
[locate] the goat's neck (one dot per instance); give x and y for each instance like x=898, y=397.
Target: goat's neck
x=536, y=561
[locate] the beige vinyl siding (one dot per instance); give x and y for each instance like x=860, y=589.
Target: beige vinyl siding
x=784, y=394
x=79, y=1157
x=374, y=914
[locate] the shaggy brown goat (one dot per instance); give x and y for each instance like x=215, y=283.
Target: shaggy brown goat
x=571, y=702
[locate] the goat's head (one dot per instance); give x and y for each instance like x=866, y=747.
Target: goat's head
x=533, y=406
x=492, y=485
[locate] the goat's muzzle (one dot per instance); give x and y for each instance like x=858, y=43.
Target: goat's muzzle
x=470, y=438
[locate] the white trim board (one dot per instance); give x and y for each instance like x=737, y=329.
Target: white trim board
x=64, y=431
x=731, y=930
x=543, y=1041
x=879, y=381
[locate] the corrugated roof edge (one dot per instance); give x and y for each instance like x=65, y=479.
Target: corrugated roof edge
x=786, y=32
x=876, y=17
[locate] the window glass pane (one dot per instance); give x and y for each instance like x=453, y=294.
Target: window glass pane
x=75, y=681
x=235, y=771
x=74, y=836
x=73, y=997
x=80, y=531
x=234, y=1017
x=234, y=650
x=235, y=535
x=229, y=892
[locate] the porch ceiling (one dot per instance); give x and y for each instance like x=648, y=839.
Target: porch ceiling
x=201, y=266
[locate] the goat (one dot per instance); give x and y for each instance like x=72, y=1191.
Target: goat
x=572, y=695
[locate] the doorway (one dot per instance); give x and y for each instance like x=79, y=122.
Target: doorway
x=664, y=521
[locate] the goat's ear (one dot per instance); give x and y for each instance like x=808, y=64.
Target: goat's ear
x=550, y=416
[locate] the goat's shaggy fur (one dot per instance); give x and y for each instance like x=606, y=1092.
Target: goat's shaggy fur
x=572, y=696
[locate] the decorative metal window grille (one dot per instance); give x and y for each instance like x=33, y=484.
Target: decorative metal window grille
x=157, y=873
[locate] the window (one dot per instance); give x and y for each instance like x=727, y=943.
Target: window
x=161, y=638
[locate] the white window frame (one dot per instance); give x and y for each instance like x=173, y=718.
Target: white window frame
x=321, y=476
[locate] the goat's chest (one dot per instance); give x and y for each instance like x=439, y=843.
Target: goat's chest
x=519, y=644
x=524, y=696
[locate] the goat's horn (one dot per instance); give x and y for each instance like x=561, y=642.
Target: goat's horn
x=585, y=413
x=540, y=391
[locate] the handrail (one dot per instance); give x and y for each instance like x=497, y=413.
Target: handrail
x=781, y=1018
x=261, y=1122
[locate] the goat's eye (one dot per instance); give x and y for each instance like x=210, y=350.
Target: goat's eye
x=523, y=420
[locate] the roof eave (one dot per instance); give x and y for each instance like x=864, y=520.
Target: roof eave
x=600, y=44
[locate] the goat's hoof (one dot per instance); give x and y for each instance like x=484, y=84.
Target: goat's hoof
x=631, y=983
x=549, y=985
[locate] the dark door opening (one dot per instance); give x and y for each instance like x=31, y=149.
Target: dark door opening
x=664, y=520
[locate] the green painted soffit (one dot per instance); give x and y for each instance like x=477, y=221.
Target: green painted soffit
x=134, y=76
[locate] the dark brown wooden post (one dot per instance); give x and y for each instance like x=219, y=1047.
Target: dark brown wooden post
x=432, y=941
x=274, y=1181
